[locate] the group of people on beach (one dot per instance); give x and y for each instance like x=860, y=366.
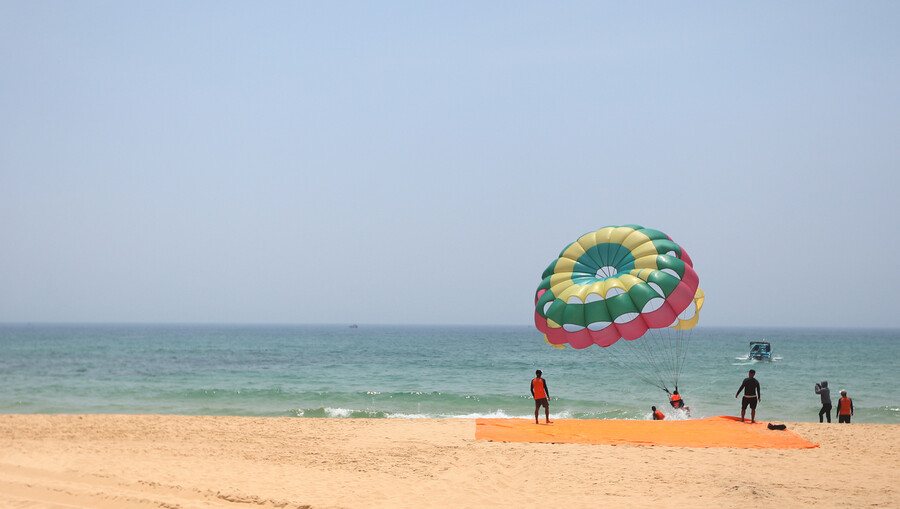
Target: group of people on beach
x=752, y=396
x=750, y=387
x=844, y=407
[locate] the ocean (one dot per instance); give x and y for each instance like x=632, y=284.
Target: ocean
x=381, y=371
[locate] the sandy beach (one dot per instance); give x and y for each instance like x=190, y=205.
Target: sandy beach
x=125, y=461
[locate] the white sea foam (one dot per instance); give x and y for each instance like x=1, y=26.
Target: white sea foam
x=419, y=372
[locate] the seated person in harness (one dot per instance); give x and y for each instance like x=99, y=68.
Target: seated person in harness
x=676, y=402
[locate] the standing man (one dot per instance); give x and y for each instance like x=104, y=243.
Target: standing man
x=844, y=408
x=541, y=395
x=823, y=391
x=752, y=395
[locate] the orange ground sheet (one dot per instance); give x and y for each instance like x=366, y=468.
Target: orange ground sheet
x=721, y=431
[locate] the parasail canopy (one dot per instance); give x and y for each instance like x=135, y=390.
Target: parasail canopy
x=621, y=282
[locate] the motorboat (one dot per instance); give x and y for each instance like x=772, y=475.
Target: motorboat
x=760, y=351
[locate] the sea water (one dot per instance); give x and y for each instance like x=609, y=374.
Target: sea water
x=381, y=371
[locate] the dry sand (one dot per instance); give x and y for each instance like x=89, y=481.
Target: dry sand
x=123, y=461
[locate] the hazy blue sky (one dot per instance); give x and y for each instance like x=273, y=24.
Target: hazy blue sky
x=423, y=162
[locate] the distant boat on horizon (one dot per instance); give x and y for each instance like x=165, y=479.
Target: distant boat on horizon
x=354, y=326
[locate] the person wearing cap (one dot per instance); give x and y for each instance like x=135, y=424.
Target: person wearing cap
x=541, y=395
x=844, y=408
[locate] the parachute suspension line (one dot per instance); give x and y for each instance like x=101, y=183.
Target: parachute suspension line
x=622, y=355
x=669, y=346
x=674, y=350
x=678, y=346
x=631, y=366
x=659, y=353
x=688, y=335
x=640, y=358
x=675, y=344
x=657, y=359
x=677, y=360
x=664, y=346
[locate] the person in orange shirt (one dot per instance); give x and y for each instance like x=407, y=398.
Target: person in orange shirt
x=541, y=395
x=657, y=415
x=844, y=408
x=676, y=402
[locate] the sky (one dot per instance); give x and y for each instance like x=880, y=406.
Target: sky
x=423, y=162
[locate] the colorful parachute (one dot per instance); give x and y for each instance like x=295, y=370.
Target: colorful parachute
x=687, y=319
x=621, y=282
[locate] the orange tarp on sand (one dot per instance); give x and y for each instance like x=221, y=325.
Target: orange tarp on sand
x=721, y=431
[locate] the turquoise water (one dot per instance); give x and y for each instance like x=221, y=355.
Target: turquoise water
x=421, y=371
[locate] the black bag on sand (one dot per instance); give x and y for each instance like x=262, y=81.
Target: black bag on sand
x=777, y=426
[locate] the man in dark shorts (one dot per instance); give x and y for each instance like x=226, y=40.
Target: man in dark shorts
x=844, y=408
x=541, y=395
x=752, y=395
